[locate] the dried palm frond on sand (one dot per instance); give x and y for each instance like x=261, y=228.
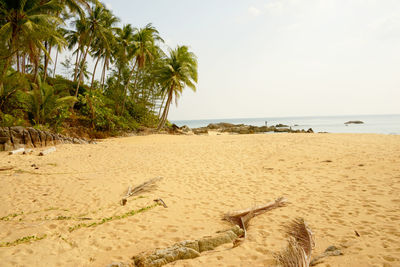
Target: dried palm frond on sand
x=144, y=187
x=300, y=246
x=242, y=217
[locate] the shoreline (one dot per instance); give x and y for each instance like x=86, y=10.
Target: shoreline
x=29, y=138
x=388, y=124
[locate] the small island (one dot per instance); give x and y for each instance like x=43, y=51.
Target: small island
x=354, y=122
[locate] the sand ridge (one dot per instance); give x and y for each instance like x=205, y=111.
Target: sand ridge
x=339, y=183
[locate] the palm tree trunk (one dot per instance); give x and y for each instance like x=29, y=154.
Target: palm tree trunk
x=46, y=61
x=166, y=110
x=55, y=65
x=135, y=82
x=126, y=88
x=162, y=103
x=103, y=73
x=76, y=61
x=36, y=69
x=17, y=55
x=82, y=64
x=94, y=72
x=23, y=63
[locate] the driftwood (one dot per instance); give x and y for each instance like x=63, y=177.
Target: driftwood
x=144, y=187
x=300, y=246
x=242, y=217
x=188, y=249
x=6, y=169
x=17, y=151
x=330, y=251
x=47, y=151
x=28, y=151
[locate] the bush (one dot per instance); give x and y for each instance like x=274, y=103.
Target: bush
x=8, y=120
x=102, y=115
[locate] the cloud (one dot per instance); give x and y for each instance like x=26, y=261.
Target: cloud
x=254, y=11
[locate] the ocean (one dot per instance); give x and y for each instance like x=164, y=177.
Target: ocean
x=379, y=124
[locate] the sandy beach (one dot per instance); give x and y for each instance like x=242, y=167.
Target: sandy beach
x=339, y=183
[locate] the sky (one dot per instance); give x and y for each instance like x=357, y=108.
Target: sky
x=276, y=58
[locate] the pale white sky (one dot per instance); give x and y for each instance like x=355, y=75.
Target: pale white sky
x=266, y=58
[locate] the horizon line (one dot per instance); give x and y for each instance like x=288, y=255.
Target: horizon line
x=296, y=116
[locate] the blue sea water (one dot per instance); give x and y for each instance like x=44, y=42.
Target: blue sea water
x=380, y=124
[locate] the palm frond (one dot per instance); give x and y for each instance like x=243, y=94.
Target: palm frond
x=300, y=245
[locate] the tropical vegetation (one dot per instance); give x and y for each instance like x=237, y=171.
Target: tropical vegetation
x=70, y=65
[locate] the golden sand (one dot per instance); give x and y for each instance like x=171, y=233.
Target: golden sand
x=339, y=183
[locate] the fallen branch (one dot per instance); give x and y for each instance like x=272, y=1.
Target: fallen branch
x=17, y=151
x=6, y=169
x=242, y=217
x=300, y=246
x=47, y=151
x=144, y=187
x=188, y=249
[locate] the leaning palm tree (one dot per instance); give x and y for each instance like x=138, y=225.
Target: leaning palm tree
x=178, y=71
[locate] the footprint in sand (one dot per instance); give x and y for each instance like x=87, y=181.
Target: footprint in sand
x=52, y=226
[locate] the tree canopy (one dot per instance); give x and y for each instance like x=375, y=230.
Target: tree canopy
x=124, y=86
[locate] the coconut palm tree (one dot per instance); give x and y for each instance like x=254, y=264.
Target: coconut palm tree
x=102, y=47
x=96, y=24
x=144, y=47
x=178, y=71
x=59, y=43
x=76, y=38
x=125, y=48
x=27, y=24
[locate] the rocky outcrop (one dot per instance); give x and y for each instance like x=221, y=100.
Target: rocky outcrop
x=188, y=249
x=18, y=137
x=247, y=129
x=354, y=122
x=215, y=126
x=185, y=129
x=203, y=130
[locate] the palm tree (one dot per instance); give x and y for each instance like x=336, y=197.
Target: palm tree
x=76, y=37
x=63, y=32
x=59, y=43
x=178, y=71
x=144, y=49
x=26, y=24
x=102, y=47
x=42, y=102
x=125, y=48
x=96, y=28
